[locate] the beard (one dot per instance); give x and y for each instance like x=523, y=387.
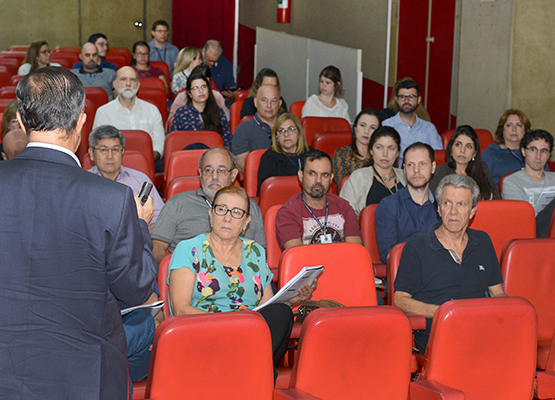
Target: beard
x=411, y=183
x=127, y=93
x=217, y=185
x=317, y=191
x=407, y=108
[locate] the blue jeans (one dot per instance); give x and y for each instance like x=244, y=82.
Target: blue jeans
x=139, y=329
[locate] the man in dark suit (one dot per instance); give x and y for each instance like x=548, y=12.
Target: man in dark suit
x=71, y=247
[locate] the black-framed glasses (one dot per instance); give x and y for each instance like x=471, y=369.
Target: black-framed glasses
x=534, y=150
x=402, y=97
x=222, y=210
x=105, y=150
x=288, y=131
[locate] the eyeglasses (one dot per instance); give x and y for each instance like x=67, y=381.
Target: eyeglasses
x=105, y=150
x=142, y=54
x=197, y=88
x=220, y=171
x=46, y=51
x=288, y=131
x=407, y=96
x=222, y=210
x=534, y=150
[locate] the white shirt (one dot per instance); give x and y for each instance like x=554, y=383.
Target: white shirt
x=25, y=68
x=143, y=116
x=313, y=107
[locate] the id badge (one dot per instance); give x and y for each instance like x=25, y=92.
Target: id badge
x=325, y=238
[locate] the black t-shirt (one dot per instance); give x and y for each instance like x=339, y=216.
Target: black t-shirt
x=378, y=191
x=429, y=274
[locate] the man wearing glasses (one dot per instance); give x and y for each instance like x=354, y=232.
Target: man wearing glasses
x=185, y=215
x=129, y=112
x=101, y=42
x=160, y=49
x=533, y=184
x=411, y=128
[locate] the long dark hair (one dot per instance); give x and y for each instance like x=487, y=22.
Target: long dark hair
x=366, y=111
x=134, y=50
x=475, y=168
x=211, y=116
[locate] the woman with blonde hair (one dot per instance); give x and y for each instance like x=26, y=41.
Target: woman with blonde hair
x=38, y=56
x=187, y=59
x=286, y=155
x=504, y=156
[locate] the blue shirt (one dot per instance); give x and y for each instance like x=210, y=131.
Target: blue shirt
x=103, y=64
x=398, y=217
x=222, y=73
x=251, y=135
x=503, y=161
x=421, y=131
x=167, y=54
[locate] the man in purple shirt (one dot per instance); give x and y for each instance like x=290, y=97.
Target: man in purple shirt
x=106, y=145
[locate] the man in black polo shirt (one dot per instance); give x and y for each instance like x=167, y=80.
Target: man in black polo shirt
x=449, y=261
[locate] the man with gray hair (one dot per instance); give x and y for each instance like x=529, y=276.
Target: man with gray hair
x=449, y=261
x=127, y=111
x=220, y=67
x=185, y=215
x=106, y=149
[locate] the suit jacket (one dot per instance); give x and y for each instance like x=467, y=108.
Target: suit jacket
x=71, y=245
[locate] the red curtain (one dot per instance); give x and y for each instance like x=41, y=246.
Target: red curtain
x=196, y=21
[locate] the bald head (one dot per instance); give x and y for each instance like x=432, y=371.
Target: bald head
x=268, y=103
x=89, y=56
x=127, y=83
x=127, y=71
x=13, y=143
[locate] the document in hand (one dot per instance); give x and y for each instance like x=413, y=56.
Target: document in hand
x=153, y=308
x=291, y=288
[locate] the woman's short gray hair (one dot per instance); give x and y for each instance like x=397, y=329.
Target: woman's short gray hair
x=460, y=181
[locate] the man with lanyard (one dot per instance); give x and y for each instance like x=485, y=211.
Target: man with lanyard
x=90, y=74
x=160, y=49
x=185, y=215
x=316, y=216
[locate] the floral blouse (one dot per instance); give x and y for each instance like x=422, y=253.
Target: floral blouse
x=220, y=288
x=188, y=118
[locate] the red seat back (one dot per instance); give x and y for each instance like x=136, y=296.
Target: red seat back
x=484, y=348
x=97, y=95
x=139, y=140
x=251, y=171
x=277, y=190
x=121, y=51
x=67, y=49
x=235, y=115
x=5, y=76
x=439, y=157
x=8, y=92
x=18, y=55
x=118, y=59
x=18, y=47
x=328, y=142
x=368, y=230
x=528, y=269
x=183, y=163
x=161, y=280
x=330, y=346
x=178, y=140
x=156, y=97
x=485, y=138
x=182, y=342
x=297, y=109
x=181, y=184
x=504, y=220
x=342, y=262
x=164, y=67
x=90, y=111
x=4, y=103
x=14, y=80
x=70, y=58
x=392, y=266
x=273, y=251
x=313, y=125
x=152, y=83
x=12, y=64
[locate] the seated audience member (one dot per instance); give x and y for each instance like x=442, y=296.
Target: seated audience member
x=412, y=209
x=411, y=128
x=266, y=76
x=393, y=107
x=185, y=215
x=288, y=150
x=201, y=113
x=314, y=215
x=127, y=111
x=160, y=48
x=256, y=133
x=349, y=158
x=463, y=158
x=533, y=183
x=370, y=185
x=90, y=74
x=221, y=68
x=38, y=56
x=449, y=261
x=504, y=156
x=182, y=99
x=140, y=62
x=101, y=42
x=328, y=101
x=13, y=143
x=226, y=258
x=106, y=148
x=187, y=59
x=9, y=120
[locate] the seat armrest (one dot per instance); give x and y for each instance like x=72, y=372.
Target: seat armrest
x=546, y=385
x=432, y=390
x=293, y=394
x=417, y=322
